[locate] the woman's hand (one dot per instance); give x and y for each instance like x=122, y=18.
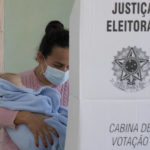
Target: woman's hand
x=35, y=123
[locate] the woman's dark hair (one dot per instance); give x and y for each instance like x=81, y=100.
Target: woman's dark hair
x=55, y=35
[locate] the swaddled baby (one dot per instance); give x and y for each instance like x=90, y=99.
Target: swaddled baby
x=13, y=78
x=14, y=96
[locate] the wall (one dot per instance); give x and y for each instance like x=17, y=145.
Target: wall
x=1, y=35
x=25, y=22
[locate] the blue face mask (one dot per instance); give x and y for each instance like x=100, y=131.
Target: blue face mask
x=56, y=76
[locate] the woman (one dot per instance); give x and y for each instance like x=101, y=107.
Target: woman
x=53, y=59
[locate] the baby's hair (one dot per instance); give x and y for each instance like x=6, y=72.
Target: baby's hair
x=13, y=78
x=7, y=76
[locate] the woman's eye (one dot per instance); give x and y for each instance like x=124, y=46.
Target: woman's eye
x=57, y=66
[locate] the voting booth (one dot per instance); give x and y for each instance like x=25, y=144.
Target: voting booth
x=109, y=104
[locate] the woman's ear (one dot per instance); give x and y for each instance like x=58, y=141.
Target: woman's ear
x=39, y=57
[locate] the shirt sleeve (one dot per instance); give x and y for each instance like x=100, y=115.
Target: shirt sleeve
x=7, y=118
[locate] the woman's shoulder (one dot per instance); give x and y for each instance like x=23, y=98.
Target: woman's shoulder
x=30, y=80
x=26, y=73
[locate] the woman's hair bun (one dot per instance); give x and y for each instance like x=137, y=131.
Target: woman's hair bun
x=54, y=26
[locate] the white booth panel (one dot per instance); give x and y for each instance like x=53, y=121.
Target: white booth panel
x=98, y=47
x=117, y=125
x=109, y=103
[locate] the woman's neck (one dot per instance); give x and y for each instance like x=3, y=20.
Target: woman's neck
x=39, y=74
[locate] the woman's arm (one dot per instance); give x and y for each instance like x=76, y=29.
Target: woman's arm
x=36, y=124
x=7, y=117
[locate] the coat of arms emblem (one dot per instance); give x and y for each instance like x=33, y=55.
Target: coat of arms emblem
x=131, y=68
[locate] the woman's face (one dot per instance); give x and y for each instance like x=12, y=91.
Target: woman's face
x=58, y=59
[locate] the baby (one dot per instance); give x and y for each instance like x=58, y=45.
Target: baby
x=13, y=78
x=15, y=96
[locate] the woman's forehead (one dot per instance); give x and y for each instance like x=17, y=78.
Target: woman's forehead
x=59, y=54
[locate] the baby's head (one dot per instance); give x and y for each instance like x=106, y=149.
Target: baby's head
x=13, y=78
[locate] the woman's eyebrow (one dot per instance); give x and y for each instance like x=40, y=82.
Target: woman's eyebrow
x=59, y=63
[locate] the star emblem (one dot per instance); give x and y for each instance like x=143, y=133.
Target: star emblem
x=131, y=67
